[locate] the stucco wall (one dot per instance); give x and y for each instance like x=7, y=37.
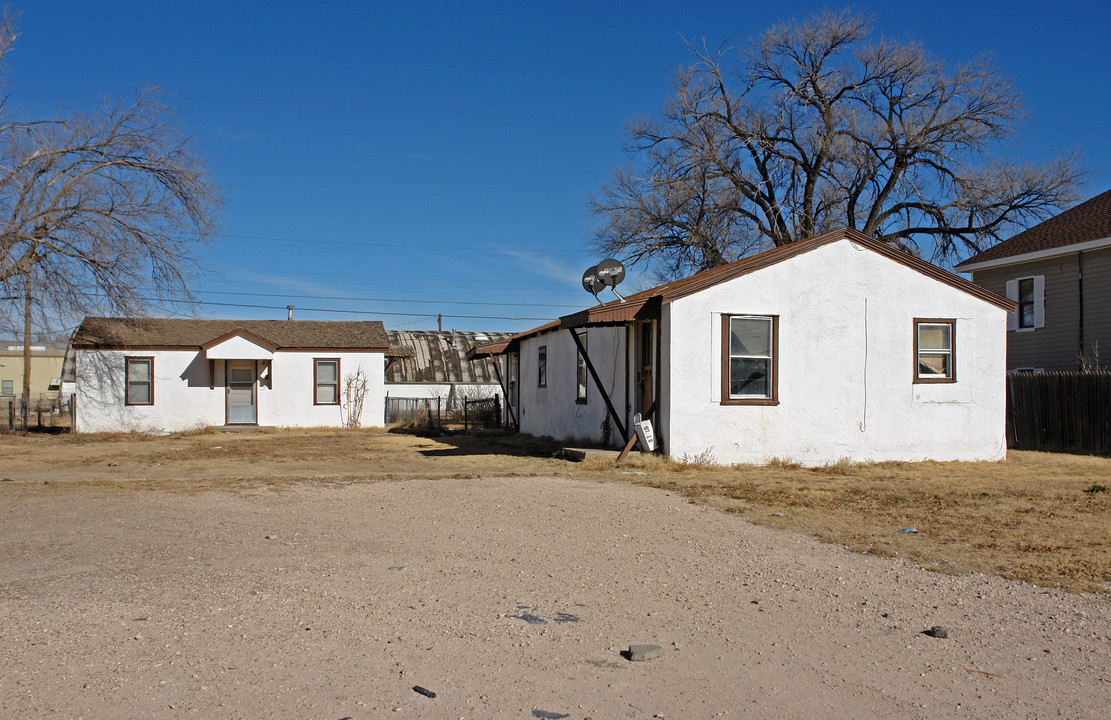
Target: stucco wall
x=846, y=364
x=183, y=399
x=552, y=410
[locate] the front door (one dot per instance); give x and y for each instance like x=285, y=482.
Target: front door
x=241, y=392
x=645, y=372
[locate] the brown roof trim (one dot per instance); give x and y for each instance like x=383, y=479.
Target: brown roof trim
x=933, y=271
x=91, y=346
x=501, y=346
x=487, y=349
x=240, y=332
x=103, y=346
x=642, y=308
x=319, y=349
x=646, y=304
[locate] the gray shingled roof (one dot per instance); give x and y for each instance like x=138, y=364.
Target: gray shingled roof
x=193, y=333
x=439, y=357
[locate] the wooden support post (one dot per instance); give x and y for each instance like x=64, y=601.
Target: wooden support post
x=505, y=391
x=633, y=436
x=598, y=384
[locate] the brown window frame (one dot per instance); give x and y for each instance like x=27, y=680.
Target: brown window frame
x=149, y=359
x=582, y=372
x=316, y=383
x=952, y=377
x=773, y=366
x=542, y=366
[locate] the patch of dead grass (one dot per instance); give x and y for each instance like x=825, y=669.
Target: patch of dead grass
x=1034, y=517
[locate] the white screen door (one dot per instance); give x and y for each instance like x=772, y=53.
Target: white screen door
x=241, y=392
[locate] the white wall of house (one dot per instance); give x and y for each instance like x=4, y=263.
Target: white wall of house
x=552, y=410
x=183, y=398
x=846, y=365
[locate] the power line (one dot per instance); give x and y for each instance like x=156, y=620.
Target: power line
x=388, y=300
x=406, y=246
x=345, y=312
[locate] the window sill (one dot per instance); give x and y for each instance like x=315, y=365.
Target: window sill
x=935, y=381
x=752, y=401
x=580, y=401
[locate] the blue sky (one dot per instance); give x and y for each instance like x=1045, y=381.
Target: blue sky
x=436, y=157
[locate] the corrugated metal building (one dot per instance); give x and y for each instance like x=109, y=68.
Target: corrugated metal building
x=434, y=364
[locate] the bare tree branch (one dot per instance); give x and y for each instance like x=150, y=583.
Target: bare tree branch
x=101, y=209
x=98, y=211
x=819, y=127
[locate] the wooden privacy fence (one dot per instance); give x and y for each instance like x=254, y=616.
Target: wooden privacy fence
x=1059, y=411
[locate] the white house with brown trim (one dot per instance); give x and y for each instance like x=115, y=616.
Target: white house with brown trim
x=828, y=348
x=150, y=374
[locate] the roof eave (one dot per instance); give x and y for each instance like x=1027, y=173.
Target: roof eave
x=971, y=265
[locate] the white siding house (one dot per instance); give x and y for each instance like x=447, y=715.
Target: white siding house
x=150, y=374
x=829, y=348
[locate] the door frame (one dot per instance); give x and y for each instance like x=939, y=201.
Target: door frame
x=254, y=388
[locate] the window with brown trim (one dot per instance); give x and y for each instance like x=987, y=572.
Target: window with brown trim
x=542, y=366
x=935, y=350
x=325, y=377
x=139, y=381
x=581, y=381
x=749, y=359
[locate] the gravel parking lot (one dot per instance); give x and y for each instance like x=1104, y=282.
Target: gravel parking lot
x=507, y=597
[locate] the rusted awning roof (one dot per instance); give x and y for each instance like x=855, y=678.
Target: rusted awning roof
x=504, y=345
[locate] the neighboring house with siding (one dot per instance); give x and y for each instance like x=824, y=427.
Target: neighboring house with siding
x=434, y=364
x=1059, y=274
x=177, y=374
x=833, y=347
x=46, y=369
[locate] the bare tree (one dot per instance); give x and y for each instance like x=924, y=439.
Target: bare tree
x=101, y=211
x=820, y=127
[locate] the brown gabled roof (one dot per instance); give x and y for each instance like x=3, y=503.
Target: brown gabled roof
x=98, y=332
x=1090, y=220
x=645, y=304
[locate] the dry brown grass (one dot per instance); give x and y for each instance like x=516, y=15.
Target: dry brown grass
x=1038, y=517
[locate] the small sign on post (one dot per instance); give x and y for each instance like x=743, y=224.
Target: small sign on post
x=644, y=433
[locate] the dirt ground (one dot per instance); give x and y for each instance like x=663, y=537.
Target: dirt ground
x=294, y=587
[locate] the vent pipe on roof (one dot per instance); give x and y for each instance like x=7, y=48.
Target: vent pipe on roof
x=290, y=309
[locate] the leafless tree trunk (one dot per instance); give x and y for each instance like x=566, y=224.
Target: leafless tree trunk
x=102, y=212
x=818, y=128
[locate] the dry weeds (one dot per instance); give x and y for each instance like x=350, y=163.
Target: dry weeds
x=1038, y=517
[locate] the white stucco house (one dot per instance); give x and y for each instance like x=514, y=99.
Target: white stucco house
x=178, y=374
x=835, y=347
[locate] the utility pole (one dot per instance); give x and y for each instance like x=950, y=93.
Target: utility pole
x=440, y=322
x=26, y=347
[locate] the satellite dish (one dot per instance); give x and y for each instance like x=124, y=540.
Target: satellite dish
x=607, y=273
x=591, y=282
x=611, y=272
